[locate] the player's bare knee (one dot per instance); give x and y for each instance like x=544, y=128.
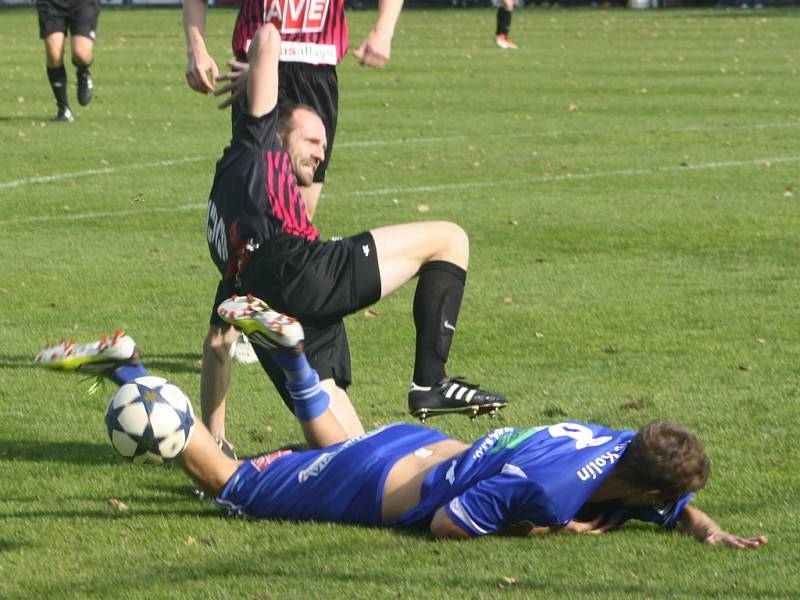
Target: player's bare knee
x=218, y=343
x=455, y=244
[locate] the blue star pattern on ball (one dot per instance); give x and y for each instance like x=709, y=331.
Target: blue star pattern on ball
x=149, y=420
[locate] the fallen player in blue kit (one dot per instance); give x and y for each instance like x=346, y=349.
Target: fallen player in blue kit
x=570, y=477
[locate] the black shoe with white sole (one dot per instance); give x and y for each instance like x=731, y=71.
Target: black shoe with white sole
x=453, y=395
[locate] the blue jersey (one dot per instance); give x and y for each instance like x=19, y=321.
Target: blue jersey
x=541, y=476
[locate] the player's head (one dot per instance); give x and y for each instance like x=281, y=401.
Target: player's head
x=302, y=135
x=666, y=457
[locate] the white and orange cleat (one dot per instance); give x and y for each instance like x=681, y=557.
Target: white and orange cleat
x=98, y=357
x=261, y=324
x=503, y=42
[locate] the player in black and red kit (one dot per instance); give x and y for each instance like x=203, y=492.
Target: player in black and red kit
x=315, y=39
x=263, y=243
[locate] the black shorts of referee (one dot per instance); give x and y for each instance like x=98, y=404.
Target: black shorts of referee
x=78, y=17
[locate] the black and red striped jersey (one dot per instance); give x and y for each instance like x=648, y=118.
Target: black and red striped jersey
x=255, y=196
x=312, y=31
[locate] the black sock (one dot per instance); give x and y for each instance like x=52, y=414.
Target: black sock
x=437, y=301
x=82, y=70
x=503, y=21
x=58, y=83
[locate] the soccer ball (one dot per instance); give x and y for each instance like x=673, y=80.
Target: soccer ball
x=149, y=420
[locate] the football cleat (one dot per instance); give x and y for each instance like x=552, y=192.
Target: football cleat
x=242, y=351
x=64, y=115
x=261, y=324
x=453, y=395
x=503, y=42
x=85, y=87
x=99, y=357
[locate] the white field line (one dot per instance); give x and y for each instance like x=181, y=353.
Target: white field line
x=578, y=176
x=6, y=185
x=561, y=133
x=437, y=188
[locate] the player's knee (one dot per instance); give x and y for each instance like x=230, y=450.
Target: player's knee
x=456, y=242
x=219, y=342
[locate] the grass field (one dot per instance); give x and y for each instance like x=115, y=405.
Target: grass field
x=631, y=186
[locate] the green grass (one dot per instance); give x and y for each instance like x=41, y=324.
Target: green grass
x=629, y=181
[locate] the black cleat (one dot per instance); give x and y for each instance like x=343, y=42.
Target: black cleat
x=85, y=87
x=64, y=115
x=453, y=395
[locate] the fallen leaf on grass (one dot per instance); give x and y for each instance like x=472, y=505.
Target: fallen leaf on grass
x=191, y=541
x=423, y=208
x=369, y=313
x=118, y=504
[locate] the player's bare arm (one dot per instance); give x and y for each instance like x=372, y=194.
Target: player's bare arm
x=376, y=49
x=201, y=70
x=696, y=523
x=262, y=82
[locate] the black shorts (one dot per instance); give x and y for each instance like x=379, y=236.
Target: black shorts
x=78, y=17
x=319, y=283
x=314, y=86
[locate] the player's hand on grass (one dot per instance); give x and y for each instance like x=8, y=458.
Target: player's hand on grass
x=201, y=72
x=237, y=88
x=734, y=541
x=601, y=524
x=375, y=50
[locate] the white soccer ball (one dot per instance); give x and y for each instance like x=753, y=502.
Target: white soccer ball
x=149, y=420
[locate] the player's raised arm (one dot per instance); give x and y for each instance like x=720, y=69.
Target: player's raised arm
x=376, y=48
x=262, y=82
x=201, y=70
x=695, y=522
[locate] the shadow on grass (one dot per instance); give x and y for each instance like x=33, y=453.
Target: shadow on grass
x=69, y=452
x=8, y=545
x=163, y=364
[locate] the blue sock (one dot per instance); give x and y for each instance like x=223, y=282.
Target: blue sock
x=127, y=373
x=295, y=365
x=310, y=400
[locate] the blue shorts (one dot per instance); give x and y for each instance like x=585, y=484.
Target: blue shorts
x=342, y=483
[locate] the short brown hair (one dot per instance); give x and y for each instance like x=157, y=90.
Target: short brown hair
x=286, y=112
x=667, y=457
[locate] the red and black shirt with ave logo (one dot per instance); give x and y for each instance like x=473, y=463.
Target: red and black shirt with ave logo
x=312, y=31
x=255, y=197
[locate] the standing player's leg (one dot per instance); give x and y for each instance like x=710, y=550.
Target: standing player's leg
x=83, y=31
x=52, y=29
x=438, y=253
x=215, y=374
x=504, y=25
x=82, y=58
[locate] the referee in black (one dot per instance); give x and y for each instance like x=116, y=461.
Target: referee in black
x=78, y=18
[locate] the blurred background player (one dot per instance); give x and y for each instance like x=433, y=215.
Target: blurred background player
x=315, y=40
x=504, y=25
x=570, y=477
x=79, y=19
